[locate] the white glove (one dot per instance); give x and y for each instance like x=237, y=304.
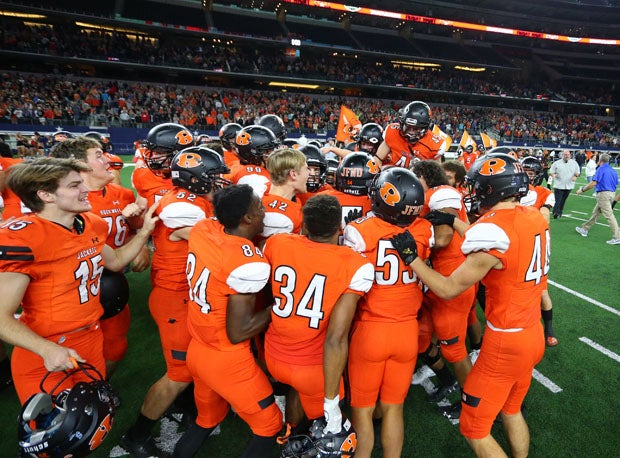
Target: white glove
x=333, y=415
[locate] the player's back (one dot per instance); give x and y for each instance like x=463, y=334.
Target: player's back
x=396, y=294
x=520, y=238
x=307, y=280
x=218, y=266
x=177, y=209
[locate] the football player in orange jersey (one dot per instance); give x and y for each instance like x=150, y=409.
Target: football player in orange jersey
x=253, y=144
x=449, y=316
x=196, y=174
x=275, y=124
x=116, y=206
x=455, y=172
x=508, y=247
x=317, y=165
x=13, y=206
x=115, y=166
x=289, y=173
x=388, y=313
x=306, y=344
x=353, y=178
x=57, y=283
x=161, y=144
x=227, y=134
x=468, y=156
x=411, y=138
x=368, y=141
x=543, y=199
x=225, y=271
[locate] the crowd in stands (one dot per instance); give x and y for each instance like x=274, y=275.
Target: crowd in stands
x=246, y=57
x=52, y=100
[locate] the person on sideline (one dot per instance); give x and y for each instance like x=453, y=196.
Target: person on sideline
x=604, y=183
x=564, y=173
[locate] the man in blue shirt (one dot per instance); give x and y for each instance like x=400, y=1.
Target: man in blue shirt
x=605, y=183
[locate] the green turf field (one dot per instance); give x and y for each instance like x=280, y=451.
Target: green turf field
x=575, y=413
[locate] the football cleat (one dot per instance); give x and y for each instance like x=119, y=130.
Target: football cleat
x=442, y=392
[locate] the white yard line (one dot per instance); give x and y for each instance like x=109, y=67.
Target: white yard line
x=599, y=347
x=583, y=219
x=544, y=381
x=585, y=298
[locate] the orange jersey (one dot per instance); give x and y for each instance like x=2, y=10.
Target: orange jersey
x=256, y=176
x=149, y=185
x=305, y=196
x=108, y=203
x=305, y=289
x=282, y=216
x=468, y=159
x=13, y=206
x=520, y=239
x=397, y=293
x=538, y=197
x=64, y=268
x=450, y=257
x=179, y=208
x=218, y=266
x=230, y=158
x=349, y=202
x=403, y=153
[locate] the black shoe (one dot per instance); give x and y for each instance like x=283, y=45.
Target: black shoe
x=145, y=449
x=555, y=216
x=440, y=393
x=452, y=412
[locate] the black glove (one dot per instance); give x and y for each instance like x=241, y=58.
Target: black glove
x=353, y=215
x=439, y=218
x=405, y=244
x=613, y=204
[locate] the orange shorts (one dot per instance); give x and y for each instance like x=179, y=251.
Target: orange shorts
x=115, y=331
x=169, y=310
x=232, y=377
x=450, y=322
x=500, y=378
x=382, y=359
x=27, y=368
x=309, y=382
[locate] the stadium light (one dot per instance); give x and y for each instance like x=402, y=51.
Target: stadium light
x=295, y=85
x=469, y=69
x=415, y=64
x=22, y=15
x=405, y=17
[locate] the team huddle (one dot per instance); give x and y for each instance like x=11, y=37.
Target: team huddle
x=314, y=272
